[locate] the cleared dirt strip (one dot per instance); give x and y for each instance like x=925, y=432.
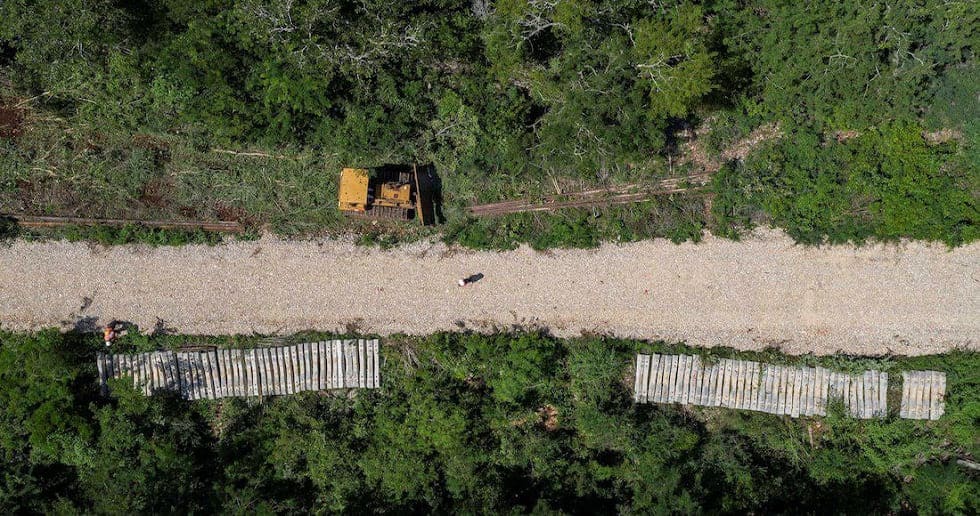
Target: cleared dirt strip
x=910, y=298
x=624, y=194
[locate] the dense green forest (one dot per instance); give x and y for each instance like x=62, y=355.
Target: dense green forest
x=115, y=108
x=247, y=109
x=465, y=423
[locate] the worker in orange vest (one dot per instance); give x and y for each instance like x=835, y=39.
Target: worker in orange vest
x=111, y=332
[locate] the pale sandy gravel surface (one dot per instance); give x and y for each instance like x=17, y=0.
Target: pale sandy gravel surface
x=909, y=298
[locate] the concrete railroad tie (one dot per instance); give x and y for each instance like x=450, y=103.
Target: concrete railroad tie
x=774, y=389
x=223, y=373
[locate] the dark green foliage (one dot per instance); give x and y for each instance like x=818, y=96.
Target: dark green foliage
x=731, y=209
x=956, y=105
x=464, y=423
x=848, y=65
x=886, y=183
x=944, y=489
x=8, y=229
x=150, y=455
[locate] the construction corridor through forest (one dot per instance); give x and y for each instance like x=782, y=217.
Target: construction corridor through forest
x=907, y=298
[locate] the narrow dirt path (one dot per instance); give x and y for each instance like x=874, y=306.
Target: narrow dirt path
x=907, y=299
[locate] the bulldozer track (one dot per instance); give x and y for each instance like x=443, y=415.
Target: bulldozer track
x=622, y=194
x=390, y=212
x=382, y=212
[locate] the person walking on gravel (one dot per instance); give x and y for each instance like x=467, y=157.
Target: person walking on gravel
x=470, y=279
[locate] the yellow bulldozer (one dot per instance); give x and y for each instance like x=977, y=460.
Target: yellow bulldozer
x=389, y=192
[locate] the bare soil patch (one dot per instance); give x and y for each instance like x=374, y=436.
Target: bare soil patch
x=695, y=153
x=549, y=417
x=942, y=136
x=11, y=121
x=843, y=136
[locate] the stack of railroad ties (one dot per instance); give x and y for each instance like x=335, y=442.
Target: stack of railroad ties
x=221, y=373
x=791, y=391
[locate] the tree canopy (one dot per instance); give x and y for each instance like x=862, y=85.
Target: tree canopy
x=463, y=423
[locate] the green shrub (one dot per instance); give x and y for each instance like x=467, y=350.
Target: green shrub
x=886, y=183
x=464, y=422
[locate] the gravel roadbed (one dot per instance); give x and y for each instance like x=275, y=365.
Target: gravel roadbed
x=908, y=298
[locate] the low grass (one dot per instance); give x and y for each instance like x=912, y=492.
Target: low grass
x=129, y=234
x=53, y=168
x=677, y=218
x=56, y=167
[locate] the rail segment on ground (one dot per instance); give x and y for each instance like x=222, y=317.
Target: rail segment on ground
x=695, y=184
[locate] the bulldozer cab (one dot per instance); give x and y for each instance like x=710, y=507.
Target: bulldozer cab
x=396, y=194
